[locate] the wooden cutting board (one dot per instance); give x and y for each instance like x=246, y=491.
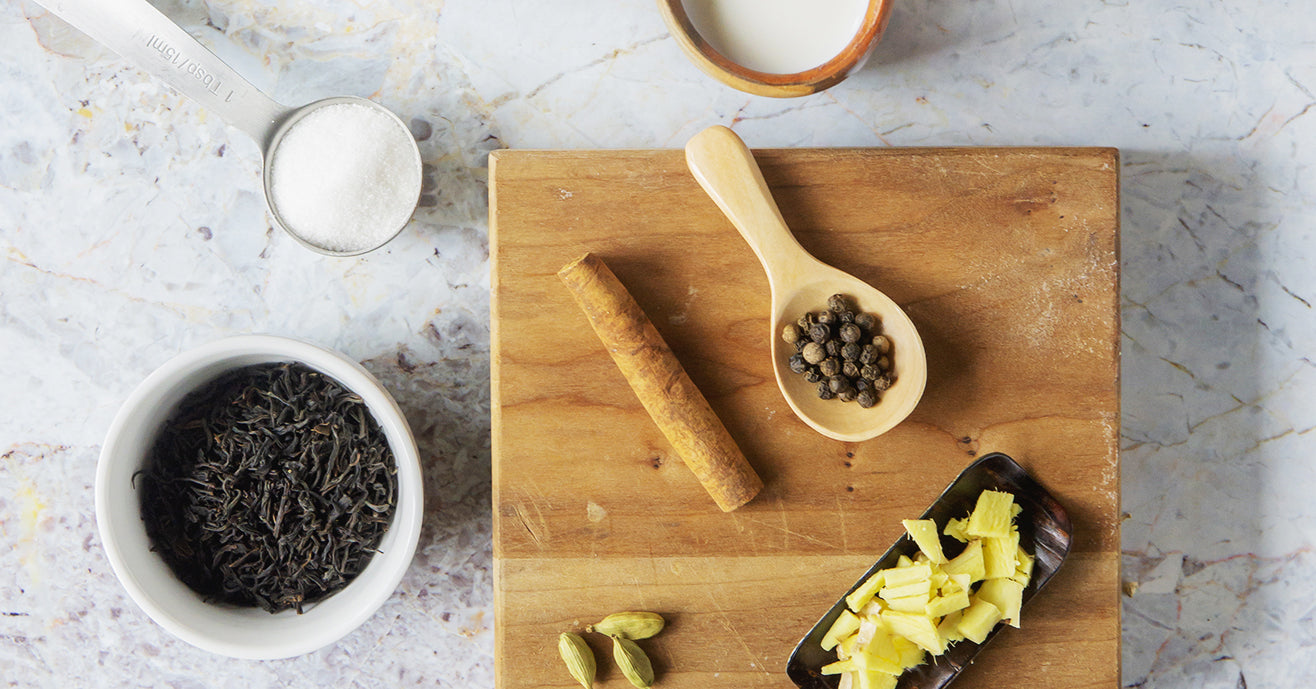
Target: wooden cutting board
x=1007, y=260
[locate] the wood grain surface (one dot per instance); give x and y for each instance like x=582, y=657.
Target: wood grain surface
x=1007, y=260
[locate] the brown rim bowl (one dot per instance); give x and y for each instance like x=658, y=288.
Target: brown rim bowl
x=824, y=76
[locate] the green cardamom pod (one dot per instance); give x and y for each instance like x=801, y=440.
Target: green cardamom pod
x=633, y=662
x=630, y=625
x=578, y=657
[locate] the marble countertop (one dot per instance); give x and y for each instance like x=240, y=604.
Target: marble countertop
x=132, y=227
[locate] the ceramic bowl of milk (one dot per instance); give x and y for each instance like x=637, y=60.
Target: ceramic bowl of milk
x=779, y=48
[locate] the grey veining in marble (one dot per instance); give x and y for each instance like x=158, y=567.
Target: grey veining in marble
x=132, y=227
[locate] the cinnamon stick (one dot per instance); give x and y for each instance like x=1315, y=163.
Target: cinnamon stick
x=658, y=379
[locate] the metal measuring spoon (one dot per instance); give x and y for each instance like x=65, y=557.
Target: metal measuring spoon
x=139, y=32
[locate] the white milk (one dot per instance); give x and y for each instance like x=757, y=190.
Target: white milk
x=777, y=36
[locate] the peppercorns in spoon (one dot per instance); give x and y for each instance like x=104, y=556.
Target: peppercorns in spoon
x=800, y=283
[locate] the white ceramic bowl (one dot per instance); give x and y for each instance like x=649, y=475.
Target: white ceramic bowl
x=232, y=631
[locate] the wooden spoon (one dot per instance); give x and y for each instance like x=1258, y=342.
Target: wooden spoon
x=725, y=168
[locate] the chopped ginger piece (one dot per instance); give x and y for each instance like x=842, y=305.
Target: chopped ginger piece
x=924, y=533
x=837, y=668
x=998, y=555
x=946, y=628
x=978, y=619
x=992, y=515
x=1006, y=594
x=844, y=626
x=906, y=575
x=1023, y=571
x=916, y=604
x=915, y=627
x=860, y=596
x=969, y=562
x=910, y=654
x=947, y=603
x=915, y=588
x=955, y=529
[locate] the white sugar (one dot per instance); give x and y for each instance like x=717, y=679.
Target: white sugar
x=345, y=177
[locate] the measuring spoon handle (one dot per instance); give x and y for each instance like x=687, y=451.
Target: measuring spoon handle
x=725, y=168
x=139, y=32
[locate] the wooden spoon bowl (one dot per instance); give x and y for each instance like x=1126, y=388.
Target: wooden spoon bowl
x=800, y=283
x=846, y=62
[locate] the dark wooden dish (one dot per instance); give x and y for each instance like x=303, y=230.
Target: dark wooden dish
x=1044, y=531
x=824, y=76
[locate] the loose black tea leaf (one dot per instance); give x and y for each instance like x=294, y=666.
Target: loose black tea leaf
x=272, y=486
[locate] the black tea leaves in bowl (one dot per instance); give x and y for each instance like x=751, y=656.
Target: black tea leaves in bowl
x=272, y=486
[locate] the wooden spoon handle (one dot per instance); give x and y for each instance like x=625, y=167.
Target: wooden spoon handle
x=725, y=168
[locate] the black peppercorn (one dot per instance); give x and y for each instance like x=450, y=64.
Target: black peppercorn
x=813, y=352
x=841, y=351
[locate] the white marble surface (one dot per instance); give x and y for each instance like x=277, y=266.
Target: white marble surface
x=132, y=227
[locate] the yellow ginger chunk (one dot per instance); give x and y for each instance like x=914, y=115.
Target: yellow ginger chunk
x=879, y=656
x=910, y=654
x=1006, y=594
x=846, y=648
x=998, y=555
x=916, y=627
x=837, y=668
x=906, y=575
x=915, y=604
x=1023, y=570
x=916, y=588
x=859, y=597
x=946, y=628
x=955, y=529
x=903, y=561
x=844, y=626
x=969, y=562
x=947, y=603
x=992, y=515
x=978, y=619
